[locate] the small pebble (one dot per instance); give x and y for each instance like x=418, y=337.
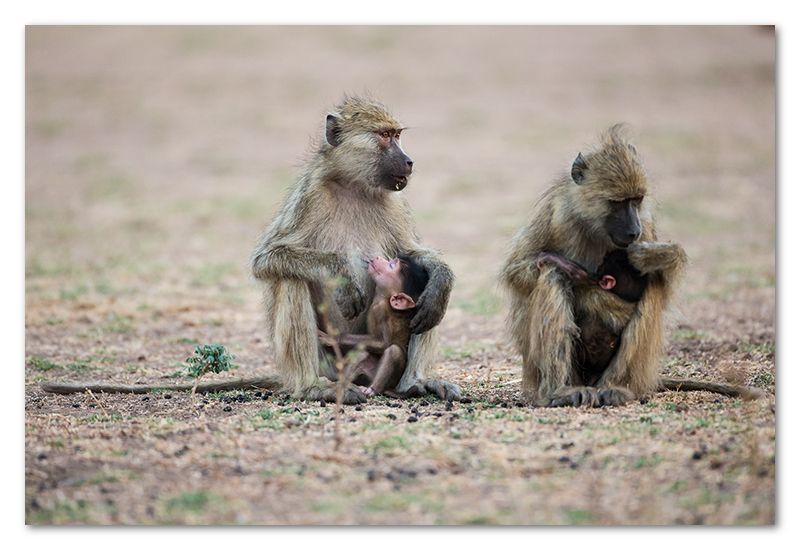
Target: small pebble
x=146, y=398
x=167, y=396
x=358, y=408
x=227, y=409
x=322, y=403
x=466, y=400
x=76, y=406
x=412, y=418
x=391, y=416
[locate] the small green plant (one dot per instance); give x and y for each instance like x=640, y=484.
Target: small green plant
x=211, y=358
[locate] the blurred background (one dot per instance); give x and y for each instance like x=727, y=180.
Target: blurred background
x=156, y=155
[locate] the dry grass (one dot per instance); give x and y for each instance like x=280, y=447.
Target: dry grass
x=154, y=157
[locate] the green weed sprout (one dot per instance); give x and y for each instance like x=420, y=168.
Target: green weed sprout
x=211, y=358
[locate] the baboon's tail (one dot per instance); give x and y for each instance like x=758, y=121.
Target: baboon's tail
x=684, y=384
x=269, y=382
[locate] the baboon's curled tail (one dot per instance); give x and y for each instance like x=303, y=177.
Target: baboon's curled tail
x=683, y=384
x=270, y=382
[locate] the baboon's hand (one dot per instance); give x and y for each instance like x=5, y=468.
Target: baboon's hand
x=431, y=307
x=350, y=298
x=649, y=257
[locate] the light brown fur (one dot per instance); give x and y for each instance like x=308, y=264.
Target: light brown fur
x=571, y=220
x=339, y=214
x=342, y=211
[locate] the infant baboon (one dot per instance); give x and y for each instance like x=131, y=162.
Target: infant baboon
x=598, y=342
x=398, y=284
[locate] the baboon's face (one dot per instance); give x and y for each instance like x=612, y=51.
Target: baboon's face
x=394, y=166
x=622, y=221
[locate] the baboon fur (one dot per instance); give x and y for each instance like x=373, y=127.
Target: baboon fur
x=572, y=219
x=345, y=208
x=341, y=212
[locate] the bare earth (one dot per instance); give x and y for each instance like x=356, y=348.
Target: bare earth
x=156, y=155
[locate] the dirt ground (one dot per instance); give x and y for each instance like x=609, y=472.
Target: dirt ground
x=154, y=157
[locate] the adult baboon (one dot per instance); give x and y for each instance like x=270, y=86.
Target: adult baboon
x=601, y=205
x=345, y=209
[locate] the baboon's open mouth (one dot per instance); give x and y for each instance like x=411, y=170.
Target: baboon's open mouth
x=399, y=182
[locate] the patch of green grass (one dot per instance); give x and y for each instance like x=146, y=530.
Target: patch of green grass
x=213, y=274
x=450, y=354
x=763, y=347
x=81, y=365
x=392, y=443
x=73, y=294
x=54, y=321
x=121, y=324
x=193, y=502
x=183, y=340
x=103, y=418
x=484, y=302
x=764, y=379
x=644, y=461
x=43, y=364
x=577, y=516
x=61, y=512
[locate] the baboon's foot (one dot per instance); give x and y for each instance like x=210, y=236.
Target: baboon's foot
x=351, y=395
x=577, y=396
x=446, y=391
x=616, y=397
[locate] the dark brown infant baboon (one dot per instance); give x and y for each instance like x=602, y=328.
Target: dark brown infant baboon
x=398, y=284
x=603, y=204
x=346, y=207
x=597, y=342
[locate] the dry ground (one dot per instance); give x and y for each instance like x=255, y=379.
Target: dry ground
x=156, y=155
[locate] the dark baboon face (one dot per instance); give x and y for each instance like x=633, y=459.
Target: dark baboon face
x=611, y=188
x=395, y=166
x=622, y=222
x=366, y=145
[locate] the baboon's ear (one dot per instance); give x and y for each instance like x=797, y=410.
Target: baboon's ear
x=332, y=131
x=578, y=168
x=401, y=301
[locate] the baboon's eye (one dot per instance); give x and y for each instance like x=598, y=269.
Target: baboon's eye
x=637, y=200
x=385, y=134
